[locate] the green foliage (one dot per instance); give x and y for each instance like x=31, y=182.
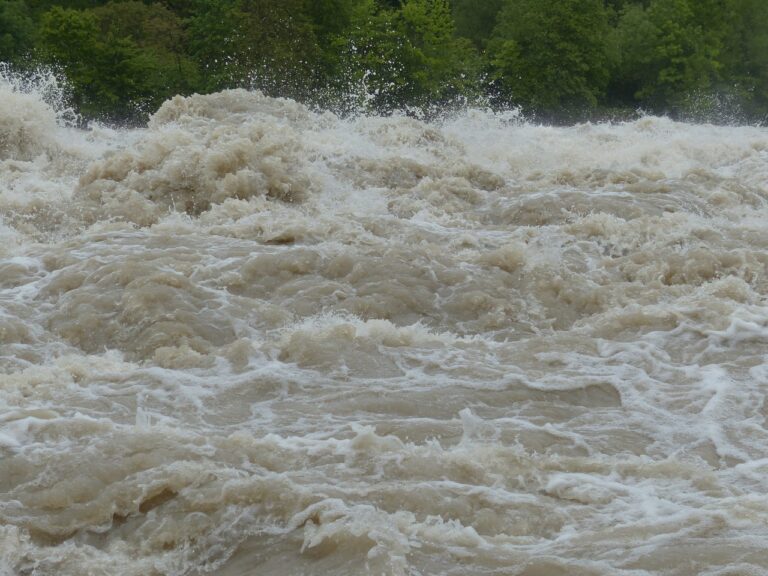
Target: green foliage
x=38, y=7
x=267, y=44
x=444, y=67
x=666, y=54
x=330, y=18
x=217, y=43
x=377, y=58
x=551, y=55
x=410, y=56
x=745, y=54
x=17, y=30
x=70, y=38
x=563, y=59
x=159, y=35
x=111, y=75
x=475, y=20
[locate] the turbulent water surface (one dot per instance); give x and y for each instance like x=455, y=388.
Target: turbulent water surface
x=254, y=339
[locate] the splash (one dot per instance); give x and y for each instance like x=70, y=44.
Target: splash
x=26, y=121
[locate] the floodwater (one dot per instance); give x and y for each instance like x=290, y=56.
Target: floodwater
x=251, y=339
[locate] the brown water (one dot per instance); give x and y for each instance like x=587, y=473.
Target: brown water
x=253, y=339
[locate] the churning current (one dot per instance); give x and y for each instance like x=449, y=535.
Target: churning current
x=252, y=339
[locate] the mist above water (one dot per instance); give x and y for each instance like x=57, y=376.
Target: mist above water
x=255, y=339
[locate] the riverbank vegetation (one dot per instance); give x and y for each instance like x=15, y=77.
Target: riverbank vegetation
x=558, y=60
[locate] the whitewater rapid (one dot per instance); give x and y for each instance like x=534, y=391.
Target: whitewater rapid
x=255, y=339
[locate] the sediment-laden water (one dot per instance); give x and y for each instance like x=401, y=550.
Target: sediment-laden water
x=251, y=339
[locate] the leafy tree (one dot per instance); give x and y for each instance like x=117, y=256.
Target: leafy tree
x=410, y=56
x=551, y=55
x=475, y=20
x=330, y=18
x=745, y=54
x=377, y=60
x=267, y=44
x=181, y=8
x=70, y=37
x=666, y=53
x=217, y=43
x=16, y=30
x=110, y=76
x=558, y=57
x=38, y=7
x=446, y=67
x=160, y=36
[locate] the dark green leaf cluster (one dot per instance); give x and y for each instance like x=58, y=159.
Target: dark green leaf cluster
x=558, y=59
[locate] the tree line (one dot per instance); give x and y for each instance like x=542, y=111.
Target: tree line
x=559, y=60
